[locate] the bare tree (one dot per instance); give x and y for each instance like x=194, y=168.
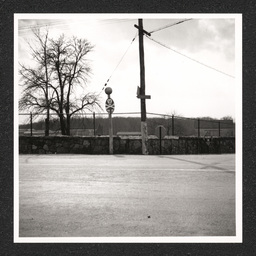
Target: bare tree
x=61, y=69
x=229, y=118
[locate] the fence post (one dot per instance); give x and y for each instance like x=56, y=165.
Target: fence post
x=172, y=125
x=94, y=131
x=31, y=124
x=168, y=126
x=198, y=127
x=219, y=128
x=160, y=139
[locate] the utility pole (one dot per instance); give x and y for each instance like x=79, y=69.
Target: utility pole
x=94, y=126
x=141, y=91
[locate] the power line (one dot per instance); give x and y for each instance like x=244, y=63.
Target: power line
x=118, y=63
x=170, y=25
x=64, y=23
x=48, y=24
x=189, y=57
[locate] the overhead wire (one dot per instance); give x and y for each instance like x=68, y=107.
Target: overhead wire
x=53, y=24
x=169, y=25
x=182, y=54
x=153, y=31
x=57, y=23
x=118, y=63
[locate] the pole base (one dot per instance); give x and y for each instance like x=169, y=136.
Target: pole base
x=144, y=138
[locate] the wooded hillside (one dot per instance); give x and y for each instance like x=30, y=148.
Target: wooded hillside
x=176, y=126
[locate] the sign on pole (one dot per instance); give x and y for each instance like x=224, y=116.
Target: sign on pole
x=160, y=131
x=110, y=105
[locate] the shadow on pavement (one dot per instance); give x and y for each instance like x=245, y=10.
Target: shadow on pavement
x=119, y=156
x=204, y=166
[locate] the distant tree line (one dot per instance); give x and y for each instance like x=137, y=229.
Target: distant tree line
x=173, y=126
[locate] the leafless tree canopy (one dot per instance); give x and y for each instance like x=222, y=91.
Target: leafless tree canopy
x=50, y=85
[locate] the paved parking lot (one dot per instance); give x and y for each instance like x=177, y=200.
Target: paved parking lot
x=126, y=195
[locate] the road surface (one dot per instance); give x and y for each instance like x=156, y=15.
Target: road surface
x=126, y=195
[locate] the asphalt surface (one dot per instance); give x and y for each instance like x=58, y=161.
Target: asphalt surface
x=126, y=195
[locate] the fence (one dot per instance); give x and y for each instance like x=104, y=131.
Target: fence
x=97, y=124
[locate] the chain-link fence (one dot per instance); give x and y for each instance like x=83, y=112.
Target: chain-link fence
x=97, y=124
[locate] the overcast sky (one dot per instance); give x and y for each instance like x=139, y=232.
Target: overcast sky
x=176, y=80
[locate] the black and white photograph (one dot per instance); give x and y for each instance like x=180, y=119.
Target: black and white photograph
x=127, y=128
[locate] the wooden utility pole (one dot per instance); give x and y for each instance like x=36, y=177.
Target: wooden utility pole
x=142, y=96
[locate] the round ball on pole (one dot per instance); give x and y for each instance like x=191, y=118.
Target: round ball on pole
x=108, y=90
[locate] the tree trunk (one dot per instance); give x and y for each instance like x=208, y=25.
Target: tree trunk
x=62, y=124
x=68, y=124
x=47, y=125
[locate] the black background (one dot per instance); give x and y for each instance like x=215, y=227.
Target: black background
x=7, y=10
